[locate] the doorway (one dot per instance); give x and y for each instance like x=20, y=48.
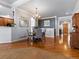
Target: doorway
x=65, y=29
x=64, y=40
x=65, y=33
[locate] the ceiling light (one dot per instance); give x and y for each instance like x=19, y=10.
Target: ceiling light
x=37, y=14
x=1, y=6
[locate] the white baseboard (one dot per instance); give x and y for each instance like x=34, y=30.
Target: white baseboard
x=20, y=39
x=49, y=36
x=5, y=42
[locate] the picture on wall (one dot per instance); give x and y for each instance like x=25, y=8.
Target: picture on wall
x=46, y=23
x=23, y=22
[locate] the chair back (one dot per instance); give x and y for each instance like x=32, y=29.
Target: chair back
x=38, y=32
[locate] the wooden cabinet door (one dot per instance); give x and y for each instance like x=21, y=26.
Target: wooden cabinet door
x=75, y=36
x=5, y=21
x=75, y=21
x=1, y=21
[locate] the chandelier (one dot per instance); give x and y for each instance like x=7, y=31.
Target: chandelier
x=37, y=16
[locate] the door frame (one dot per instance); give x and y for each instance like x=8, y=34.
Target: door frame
x=61, y=26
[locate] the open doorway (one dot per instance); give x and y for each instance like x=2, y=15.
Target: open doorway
x=65, y=32
x=65, y=29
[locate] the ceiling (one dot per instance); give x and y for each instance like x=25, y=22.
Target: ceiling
x=9, y=1
x=46, y=8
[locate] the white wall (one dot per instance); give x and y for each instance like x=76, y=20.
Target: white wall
x=11, y=34
x=16, y=33
x=49, y=32
x=5, y=34
x=56, y=25
x=19, y=33
x=76, y=9
x=67, y=19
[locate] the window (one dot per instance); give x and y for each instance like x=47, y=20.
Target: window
x=47, y=23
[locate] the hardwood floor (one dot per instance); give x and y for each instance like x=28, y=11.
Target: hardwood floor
x=57, y=44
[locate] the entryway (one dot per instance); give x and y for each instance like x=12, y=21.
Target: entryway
x=65, y=34
x=65, y=29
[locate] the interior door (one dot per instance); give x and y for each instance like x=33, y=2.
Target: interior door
x=65, y=29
